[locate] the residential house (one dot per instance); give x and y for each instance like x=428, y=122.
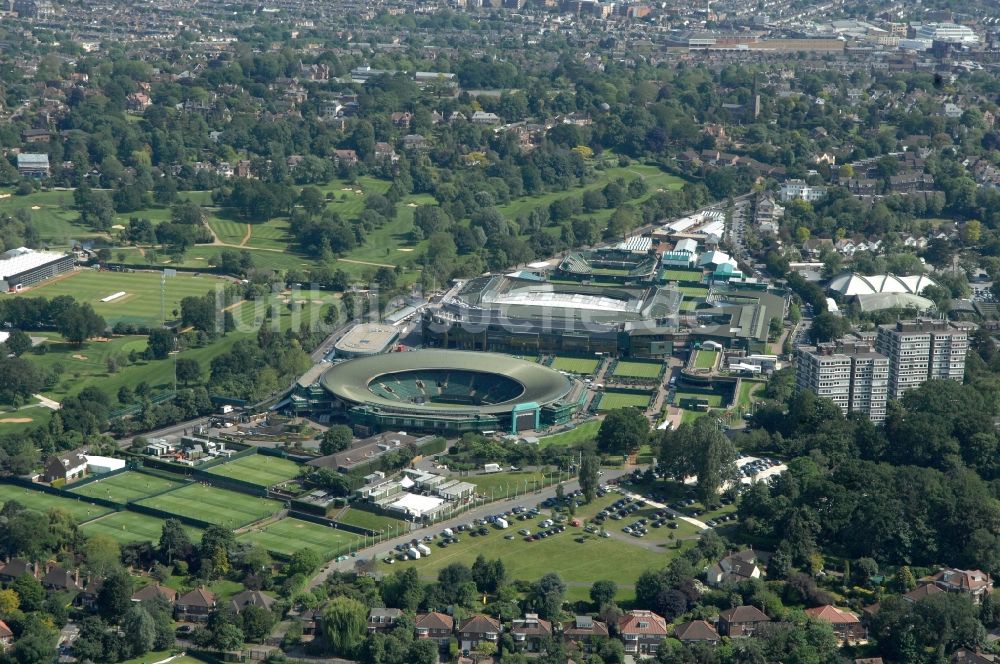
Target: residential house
x=911, y=182
x=88, y=596
x=6, y=636
x=14, y=568
x=869, y=660
x=484, y=118
x=585, y=632
x=434, y=625
x=381, y=619
x=402, y=120
x=531, y=632
x=153, y=590
x=385, y=153
x=642, y=632
x=58, y=579
x=195, y=605
x=813, y=247
x=316, y=72
x=31, y=165
x=415, y=142
x=741, y=621
x=966, y=656
x=345, y=158
x=799, y=190
x=66, y=466
x=921, y=592
x=478, y=629
x=697, y=631
x=974, y=583
x=739, y=566
x=846, y=625
x=247, y=598
x=137, y=102
x=35, y=136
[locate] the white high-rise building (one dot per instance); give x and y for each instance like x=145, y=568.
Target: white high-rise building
x=921, y=350
x=848, y=372
x=948, y=33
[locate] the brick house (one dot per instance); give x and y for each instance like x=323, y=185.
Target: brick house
x=473, y=631
x=974, y=583
x=741, y=621
x=346, y=158
x=642, y=632
x=434, y=625
x=584, y=631
x=846, y=626
x=195, y=605
x=155, y=589
x=530, y=632
x=697, y=631
x=14, y=568
x=6, y=636
x=381, y=619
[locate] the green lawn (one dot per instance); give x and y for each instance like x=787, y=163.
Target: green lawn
x=748, y=391
x=258, y=469
x=577, y=365
x=128, y=527
x=287, y=536
x=140, y=304
x=43, y=502
x=501, y=484
x=371, y=521
x=51, y=215
x=689, y=416
x=212, y=505
x=579, y=564
x=126, y=487
x=714, y=400
x=638, y=369
x=578, y=434
x=706, y=359
x=612, y=400
x=694, y=291
x=682, y=276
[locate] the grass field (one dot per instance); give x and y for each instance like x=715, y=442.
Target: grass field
x=126, y=487
x=682, y=276
x=217, y=506
x=370, y=520
x=580, y=434
x=714, y=400
x=638, y=369
x=748, y=391
x=577, y=365
x=287, y=536
x=612, y=400
x=509, y=483
x=258, y=469
x=141, y=304
x=127, y=527
x=51, y=215
x=706, y=359
x=579, y=564
x=43, y=502
x=694, y=291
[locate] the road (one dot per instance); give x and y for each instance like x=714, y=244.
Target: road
x=382, y=548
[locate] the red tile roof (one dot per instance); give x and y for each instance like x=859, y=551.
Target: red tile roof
x=642, y=622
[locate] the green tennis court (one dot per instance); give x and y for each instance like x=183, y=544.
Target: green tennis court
x=128, y=527
x=126, y=487
x=287, y=536
x=212, y=505
x=43, y=502
x=258, y=469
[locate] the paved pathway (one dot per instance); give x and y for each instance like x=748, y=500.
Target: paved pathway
x=660, y=506
x=47, y=402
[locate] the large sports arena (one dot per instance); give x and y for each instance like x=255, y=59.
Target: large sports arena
x=451, y=392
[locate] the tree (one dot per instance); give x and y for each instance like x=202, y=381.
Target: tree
x=345, y=623
x=228, y=637
x=29, y=591
x=140, y=630
x=18, y=342
x=174, y=542
x=623, y=431
x=103, y=554
x=303, y=561
x=80, y=322
x=603, y=592
x=700, y=449
x=115, y=597
x=336, y=439
x=488, y=575
x=548, y=596
x=188, y=370
x=256, y=622
x=160, y=343
x=422, y=651
x=9, y=602
x=589, y=476
x=827, y=327
x=35, y=645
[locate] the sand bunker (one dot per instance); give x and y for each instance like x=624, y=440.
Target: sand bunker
x=77, y=356
x=36, y=207
x=118, y=227
x=411, y=205
x=16, y=420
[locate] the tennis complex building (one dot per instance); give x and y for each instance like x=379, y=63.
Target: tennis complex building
x=449, y=392
x=23, y=267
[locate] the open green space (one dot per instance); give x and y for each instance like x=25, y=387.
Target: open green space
x=748, y=393
x=43, y=502
x=511, y=483
x=638, y=369
x=682, y=276
x=141, y=302
x=579, y=564
x=287, y=536
x=371, y=520
x=577, y=365
x=51, y=215
x=126, y=487
x=706, y=359
x=612, y=400
x=258, y=469
x=579, y=434
x=128, y=527
x=212, y=505
x=693, y=291
x=689, y=416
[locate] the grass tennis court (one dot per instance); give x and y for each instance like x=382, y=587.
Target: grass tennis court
x=579, y=434
x=577, y=365
x=128, y=527
x=370, y=520
x=43, y=502
x=287, y=536
x=126, y=487
x=258, y=469
x=612, y=400
x=714, y=400
x=690, y=276
x=705, y=359
x=212, y=505
x=638, y=369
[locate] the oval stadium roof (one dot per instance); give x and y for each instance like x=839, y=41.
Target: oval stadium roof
x=349, y=380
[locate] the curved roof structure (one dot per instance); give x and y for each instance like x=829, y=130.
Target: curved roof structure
x=851, y=283
x=880, y=301
x=352, y=381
